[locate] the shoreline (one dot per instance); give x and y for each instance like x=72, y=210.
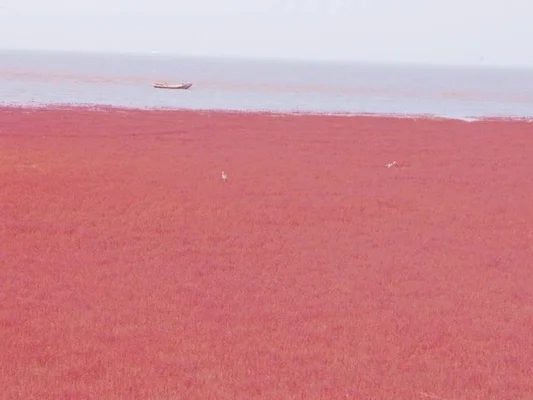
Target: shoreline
x=112, y=108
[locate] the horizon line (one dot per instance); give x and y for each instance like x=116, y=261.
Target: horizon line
x=344, y=61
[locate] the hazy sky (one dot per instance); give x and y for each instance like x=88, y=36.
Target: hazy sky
x=432, y=31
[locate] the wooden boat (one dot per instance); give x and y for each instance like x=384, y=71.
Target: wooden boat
x=164, y=85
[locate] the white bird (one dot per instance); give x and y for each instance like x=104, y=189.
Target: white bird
x=224, y=176
x=391, y=164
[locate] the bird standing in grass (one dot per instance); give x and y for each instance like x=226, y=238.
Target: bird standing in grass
x=224, y=176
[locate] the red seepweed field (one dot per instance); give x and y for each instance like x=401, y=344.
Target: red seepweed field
x=130, y=270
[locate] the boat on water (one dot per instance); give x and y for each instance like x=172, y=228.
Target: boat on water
x=164, y=85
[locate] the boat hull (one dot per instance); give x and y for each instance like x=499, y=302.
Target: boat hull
x=183, y=86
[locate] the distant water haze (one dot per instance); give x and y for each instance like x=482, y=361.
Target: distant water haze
x=31, y=78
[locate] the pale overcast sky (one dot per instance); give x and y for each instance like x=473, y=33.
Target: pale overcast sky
x=431, y=31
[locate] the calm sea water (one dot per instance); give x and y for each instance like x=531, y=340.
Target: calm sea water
x=39, y=78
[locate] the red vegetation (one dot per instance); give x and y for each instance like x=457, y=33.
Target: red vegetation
x=130, y=270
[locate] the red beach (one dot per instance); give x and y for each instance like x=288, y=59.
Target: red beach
x=131, y=270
